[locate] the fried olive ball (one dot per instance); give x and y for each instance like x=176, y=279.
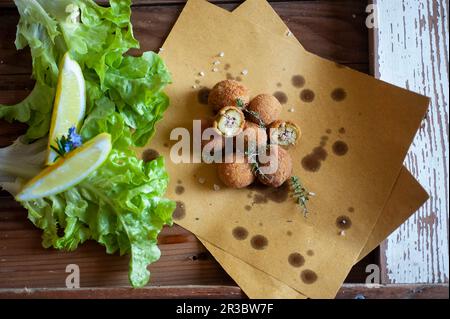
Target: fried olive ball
x=237, y=174
x=252, y=138
x=278, y=167
x=226, y=93
x=229, y=121
x=264, y=108
x=210, y=136
x=284, y=133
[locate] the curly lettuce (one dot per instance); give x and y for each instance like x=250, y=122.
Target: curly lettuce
x=121, y=205
x=97, y=38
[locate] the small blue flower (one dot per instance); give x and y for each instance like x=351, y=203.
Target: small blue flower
x=65, y=144
x=74, y=138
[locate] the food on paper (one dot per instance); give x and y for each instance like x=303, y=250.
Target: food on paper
x=264, y=108
x=254, y=138
x=284, y=133
x=229, y=121
x=279, y=165
x=235, y=172
x=226, y=93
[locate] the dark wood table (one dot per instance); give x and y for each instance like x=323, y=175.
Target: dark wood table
x=332, y=29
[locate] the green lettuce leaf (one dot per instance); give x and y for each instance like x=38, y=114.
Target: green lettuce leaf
x=121, y=205
x=97, y=38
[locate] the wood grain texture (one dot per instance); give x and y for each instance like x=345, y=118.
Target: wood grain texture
x=411, y=45
x=393, y=291
x=348, y=291
x=333, y=30
x=24, y=263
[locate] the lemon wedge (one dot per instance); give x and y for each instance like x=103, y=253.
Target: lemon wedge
x=68, y=171
x=70, y=103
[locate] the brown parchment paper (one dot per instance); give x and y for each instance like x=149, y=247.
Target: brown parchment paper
x=379, y=119
x=407, y=195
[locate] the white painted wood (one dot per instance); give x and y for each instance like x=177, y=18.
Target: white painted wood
x=411, y=51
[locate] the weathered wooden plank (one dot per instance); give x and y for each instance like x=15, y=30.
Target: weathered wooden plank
x=393, y=291
x=24, y=263
x=200, y=292
x=411, y=46
x=333, y=30
x=10, y=3
x=348, y=291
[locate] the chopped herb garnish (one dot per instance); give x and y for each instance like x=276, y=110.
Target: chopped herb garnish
x=300, y=194
x=240, y=104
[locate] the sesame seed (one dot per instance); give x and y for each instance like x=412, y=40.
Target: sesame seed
x=194, y=86
x=201, y=73
x=291, y=110
x=161, y=49
x=201, y=180
x=342, y=233
x=216, y=187
x=288, y=33
x=244, y=72
x=1, y=62
x=311, y=194
x=216, y=62
x=215, y=69
x=222, y=54
x=354, y=16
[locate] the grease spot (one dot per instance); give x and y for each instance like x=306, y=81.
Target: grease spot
x=328, y=131
x=197, y=81
x=340, y=148
x=281, y=97
x=227, y=66
x=296, y=260
x=298, y=81
x=263, y=194
x=180, y=211
x=313, y=161
x=279, y=85
x=248, y=207
x=342, y=130
x=351, y=209
x=240, y=233
x=320, y=153
x=166, y=144
x=179, y=190
x=259, y=242
x=239, y=79
x=343, y=222
x=338, y=94
x=308, y=276
x=149, y=155
x=202, y=95
x=289, y=233
x=230, y=76
x=261, y=224
x=310, y=252
x=307, y=95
